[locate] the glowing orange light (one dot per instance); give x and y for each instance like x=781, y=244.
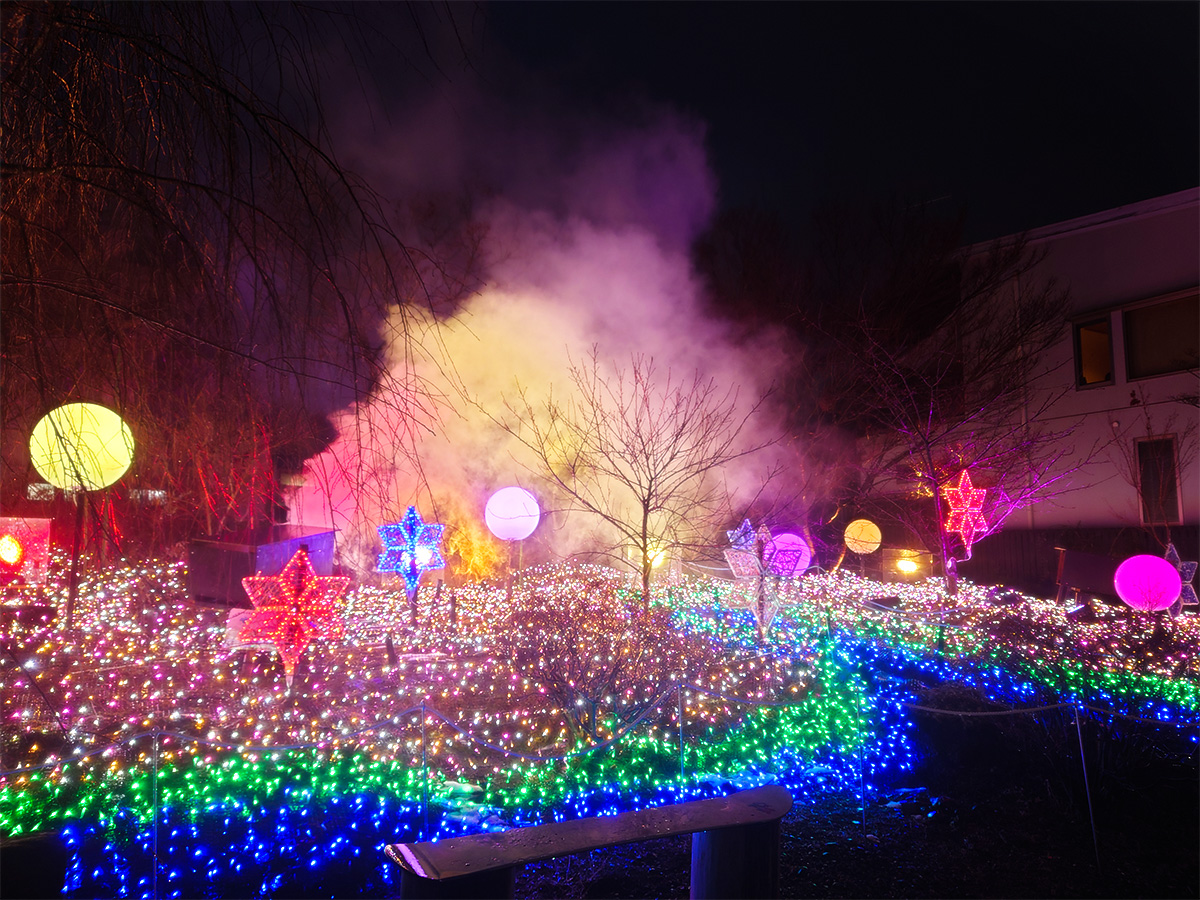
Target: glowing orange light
x=863, y=536
x=12, y=551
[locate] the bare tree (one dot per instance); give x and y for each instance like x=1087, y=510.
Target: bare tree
x=640, y=450
x=961, y=396
x=576, y=639
x=915, y=360
x=181, y=242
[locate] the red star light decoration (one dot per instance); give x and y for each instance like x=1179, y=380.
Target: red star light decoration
x=966, y=509
x=292, y=608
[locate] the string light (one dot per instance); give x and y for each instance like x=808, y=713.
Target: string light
x=141, y=716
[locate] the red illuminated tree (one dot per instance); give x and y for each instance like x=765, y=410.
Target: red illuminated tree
x=182, y=242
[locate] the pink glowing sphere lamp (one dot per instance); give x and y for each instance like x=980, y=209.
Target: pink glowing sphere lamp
x=512, y=514
x=1147, y=583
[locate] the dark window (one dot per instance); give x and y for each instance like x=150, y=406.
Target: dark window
x=1157, y=484
x=1093, y=353
x=1163, y=338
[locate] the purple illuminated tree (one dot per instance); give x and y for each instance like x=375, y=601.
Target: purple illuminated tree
x=915, y=360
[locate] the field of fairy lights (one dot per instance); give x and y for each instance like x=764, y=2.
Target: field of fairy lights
x=174, y=763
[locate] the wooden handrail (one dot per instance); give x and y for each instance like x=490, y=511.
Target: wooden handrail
x=735, y=847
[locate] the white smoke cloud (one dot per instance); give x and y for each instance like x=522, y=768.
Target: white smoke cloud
x=587, y=228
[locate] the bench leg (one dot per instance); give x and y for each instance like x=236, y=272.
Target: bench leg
x=496, y=883
x=737, y=862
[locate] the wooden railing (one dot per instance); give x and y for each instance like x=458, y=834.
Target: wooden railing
x=735, y=848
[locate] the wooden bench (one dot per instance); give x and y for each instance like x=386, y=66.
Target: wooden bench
x=1090, y=572
x=735, y=847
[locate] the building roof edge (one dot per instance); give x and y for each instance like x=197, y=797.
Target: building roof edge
x=1118, y=215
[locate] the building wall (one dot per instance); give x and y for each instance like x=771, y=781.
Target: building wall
x=1122, y=259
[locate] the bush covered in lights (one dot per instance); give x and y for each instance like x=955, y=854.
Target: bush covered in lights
x=565, y=698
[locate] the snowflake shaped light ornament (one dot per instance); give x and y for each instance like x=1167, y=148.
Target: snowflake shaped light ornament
x=411, y=547
x=1187, y=573
x=742, y=538
x=292, y=608
x=966, y=510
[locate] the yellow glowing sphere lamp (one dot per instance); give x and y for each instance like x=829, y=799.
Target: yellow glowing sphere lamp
x=81, y=445
x=863, y=536
x=658, y=555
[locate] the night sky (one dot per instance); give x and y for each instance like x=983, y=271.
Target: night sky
x=1022, y=113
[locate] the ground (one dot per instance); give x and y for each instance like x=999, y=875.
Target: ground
x=991, y=822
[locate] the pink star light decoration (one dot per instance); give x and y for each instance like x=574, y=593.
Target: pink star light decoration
x=966, y=509
x=292, y=608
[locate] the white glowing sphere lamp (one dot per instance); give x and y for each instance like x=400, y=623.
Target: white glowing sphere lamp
x=512, y=514
x=81, y=446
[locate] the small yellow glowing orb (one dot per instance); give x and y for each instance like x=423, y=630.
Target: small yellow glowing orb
x=11, y=550
x=907, y=566
x=863, y=536
x=81, y=445
x=658, y=555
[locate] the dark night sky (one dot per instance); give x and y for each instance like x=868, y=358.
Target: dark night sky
x=1024, y=113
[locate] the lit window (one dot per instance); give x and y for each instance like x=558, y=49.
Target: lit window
x=1163, y=337
x=1157, y=482
x=1093, y=353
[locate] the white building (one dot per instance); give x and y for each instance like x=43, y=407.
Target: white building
x=1128, y=373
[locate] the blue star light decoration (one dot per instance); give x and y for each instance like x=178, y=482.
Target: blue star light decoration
x=411, y=547
x=1187, y=572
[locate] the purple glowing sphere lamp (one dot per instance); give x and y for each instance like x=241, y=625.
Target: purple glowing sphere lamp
x=787, y=555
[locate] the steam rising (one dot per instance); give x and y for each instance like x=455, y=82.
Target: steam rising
x=585, y=231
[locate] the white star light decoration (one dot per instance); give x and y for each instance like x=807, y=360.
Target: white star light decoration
x=755, y=560
x=1187, y=572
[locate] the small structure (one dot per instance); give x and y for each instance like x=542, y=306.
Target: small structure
x=1084, y=572
x=216, y=566
x=735, y=847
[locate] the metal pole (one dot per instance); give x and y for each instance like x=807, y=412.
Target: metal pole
x=681, y=775
x=862, y=750
x=424, y=781
x=1086, y=787
x=154, y=823
x=73, y=577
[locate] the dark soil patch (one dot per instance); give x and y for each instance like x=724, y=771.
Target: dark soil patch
x=1008, y=844
x=998, y=809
